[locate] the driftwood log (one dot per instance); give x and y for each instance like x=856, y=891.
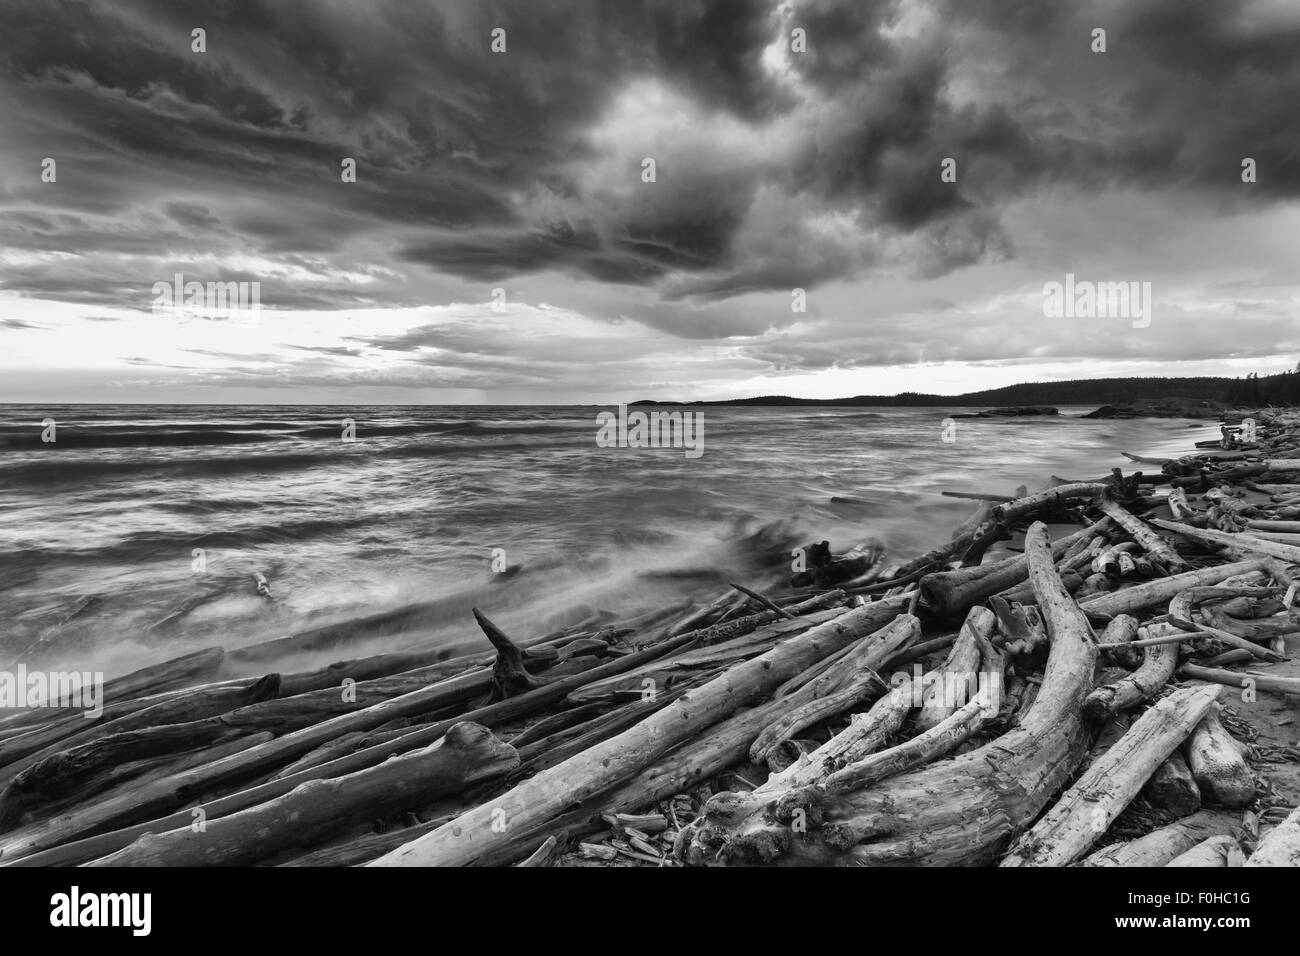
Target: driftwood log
x=1162, y=846
x=1218, y=763
x=1280, y=845
x=547, y=794
x=951, y=813
x=1089, y=807
x=468, y=754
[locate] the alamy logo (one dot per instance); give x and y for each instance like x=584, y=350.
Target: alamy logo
x=82, y=689
x=653, y=430
x=210, y=300
x=952, y=689
x=1098, y=300
x=74, y=908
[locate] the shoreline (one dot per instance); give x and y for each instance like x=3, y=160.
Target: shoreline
x=574, y=722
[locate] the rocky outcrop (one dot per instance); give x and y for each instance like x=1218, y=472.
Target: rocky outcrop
x=1012, y=411
x=1161, y=408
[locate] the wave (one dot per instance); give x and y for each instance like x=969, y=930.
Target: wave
x=151, y=435
x=69, y=437
x=55, y=470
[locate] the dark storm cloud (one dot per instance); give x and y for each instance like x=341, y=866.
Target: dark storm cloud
x=165, y=153
x=1183, y=93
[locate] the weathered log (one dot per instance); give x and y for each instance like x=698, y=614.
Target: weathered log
x=434, y=663
x=1218, y=764
x=262, y=710
x=1158, y=664
x=369, y=846
x=1165, y=844
x=1020, y=628
x=693, y=762
x=864, y=735
x=1241, y=542
x=1257, y=631
x=154, y=679
x=853, y=680
x=960, y=671
x=1251, y=680
x=1285, y=527
x=978, y=496
x=1228, y=657
x=345, y=744
x=1216, y=851
x=191, y=709
x=1280, y=846
x=1163, y=590
x=827, y=663
x=1151, y=542
x=866, y=686
x=1232, y=640
x=922, y=649
x=1107, y=560
x=737, y=627
x=938, y=740
x=695, y=620
x=950, y=593
x=1117, y=638
x=1179, y=506
x=1140, y=460
x=1173, y=788
x=1277, y=537
x=543, y=855
x=117, y=779
x=1052, y=497
x=68, y=771
x=1181, y=608
x=991, y=534
x=956, y=812
x=1087, y=809
x=468, y=754
x=509, y=675
x=547, y=794
x=168, y=793
x=561, y=746
x=664, y=672
x=763, y=600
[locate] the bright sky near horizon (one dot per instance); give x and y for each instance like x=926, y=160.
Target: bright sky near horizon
x=500, y=243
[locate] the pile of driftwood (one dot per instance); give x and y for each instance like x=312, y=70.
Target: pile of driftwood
x=975, y=705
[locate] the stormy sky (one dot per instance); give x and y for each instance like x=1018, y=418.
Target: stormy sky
x=500, y=242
